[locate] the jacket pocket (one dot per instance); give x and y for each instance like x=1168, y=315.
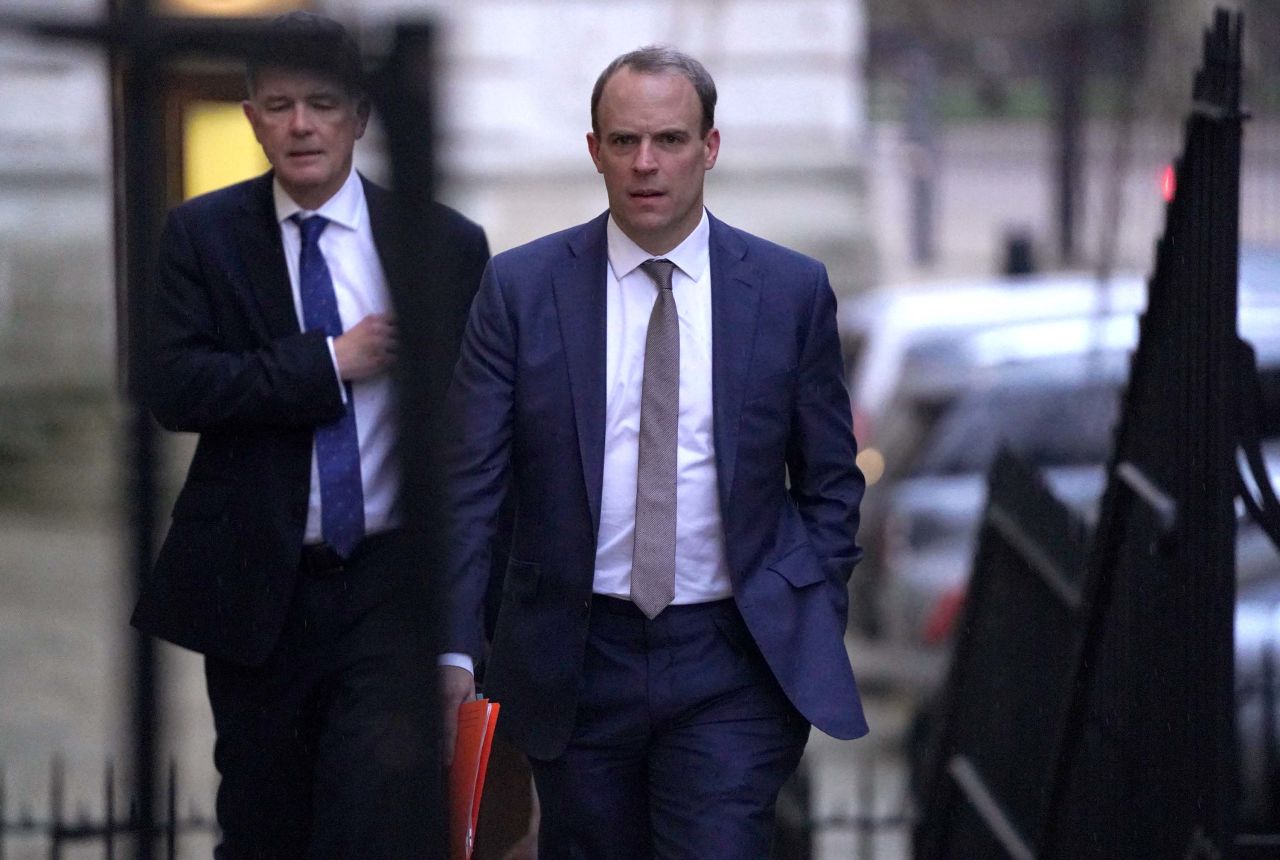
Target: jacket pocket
x=799, y=567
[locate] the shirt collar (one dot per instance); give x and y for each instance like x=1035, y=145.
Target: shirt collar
x=345, y=208
x=690, y=256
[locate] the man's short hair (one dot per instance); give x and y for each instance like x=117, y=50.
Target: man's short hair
x=660, y=59
x=305, y=41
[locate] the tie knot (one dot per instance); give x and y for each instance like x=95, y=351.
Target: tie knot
x=660, y=271
x=311, y=227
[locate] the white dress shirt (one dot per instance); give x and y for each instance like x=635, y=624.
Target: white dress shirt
x=361, y=289
x=702, y=573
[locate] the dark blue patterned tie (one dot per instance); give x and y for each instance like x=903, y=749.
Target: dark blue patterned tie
x=337, y=443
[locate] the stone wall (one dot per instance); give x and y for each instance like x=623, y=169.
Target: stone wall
x=57, y=299
x=517, y=78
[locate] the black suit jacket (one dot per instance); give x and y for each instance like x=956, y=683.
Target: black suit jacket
x=227, y=360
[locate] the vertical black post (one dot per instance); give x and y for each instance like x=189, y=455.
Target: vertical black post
x=866, y=809
x=139, y=142
x=171, y=816
x=1069, y=79
x=420, y=288
x=55, y=809
x=108, y=810
x=1271, y=752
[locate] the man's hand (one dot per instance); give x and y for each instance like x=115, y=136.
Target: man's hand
x=457, y=685
x=367, y=348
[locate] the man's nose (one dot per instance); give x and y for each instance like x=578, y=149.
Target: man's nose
x=644, y=161
x=300, y=120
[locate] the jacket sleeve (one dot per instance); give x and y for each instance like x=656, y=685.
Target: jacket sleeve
x=478, y=459
x=826, y=484
x=207, y=372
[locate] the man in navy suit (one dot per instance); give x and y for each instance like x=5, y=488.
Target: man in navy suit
x=663, y=394
x=272, y=336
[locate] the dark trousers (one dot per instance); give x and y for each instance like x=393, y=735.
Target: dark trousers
x=683, y=740
x=322, y=750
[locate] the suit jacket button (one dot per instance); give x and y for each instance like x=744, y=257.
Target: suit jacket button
x=586, y=608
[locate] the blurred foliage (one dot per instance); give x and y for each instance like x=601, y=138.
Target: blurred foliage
x=998, y=57
x=962, y=98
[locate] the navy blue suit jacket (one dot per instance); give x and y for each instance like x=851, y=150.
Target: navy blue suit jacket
x=227, y=360
x=529, y=395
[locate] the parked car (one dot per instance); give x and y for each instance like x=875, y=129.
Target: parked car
x=880, y=328
x=901, y=343
x=919, y=353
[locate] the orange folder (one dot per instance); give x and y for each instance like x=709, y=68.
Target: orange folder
x=476, y=720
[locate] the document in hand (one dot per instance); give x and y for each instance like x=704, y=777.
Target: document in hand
x=476, y=720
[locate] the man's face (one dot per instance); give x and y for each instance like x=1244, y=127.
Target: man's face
x=308, y=126
x=653, y=156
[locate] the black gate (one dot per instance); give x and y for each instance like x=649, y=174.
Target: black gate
x=986, y=796
x=1091, y=704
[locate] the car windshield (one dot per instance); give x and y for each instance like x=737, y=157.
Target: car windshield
x=1046, y=424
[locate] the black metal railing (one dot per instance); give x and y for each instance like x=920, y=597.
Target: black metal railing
x=878, y=816
x=115, y=829
x=1091, y=705
x=992, y=754
x=868, y=817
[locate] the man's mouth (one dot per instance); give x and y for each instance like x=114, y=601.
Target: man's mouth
x=306, y=153
x=646, y=193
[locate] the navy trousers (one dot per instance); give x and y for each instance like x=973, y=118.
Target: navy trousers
x=322, y=749
x=682, y=741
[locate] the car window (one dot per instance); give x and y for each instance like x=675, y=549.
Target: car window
x=1047, y=425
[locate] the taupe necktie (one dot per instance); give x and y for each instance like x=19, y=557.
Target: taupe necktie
x=653, y=566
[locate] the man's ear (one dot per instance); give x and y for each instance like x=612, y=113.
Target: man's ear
x=363, y=110
x=251, y=114
x=593, y=147
x=712, y=144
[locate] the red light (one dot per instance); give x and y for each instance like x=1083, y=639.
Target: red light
x=1168, y=183
x=946, y=612
x=861, y=427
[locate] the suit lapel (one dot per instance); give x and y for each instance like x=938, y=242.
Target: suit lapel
x=381, y=220
x=581, y=309
x=735, y=300
x=262, y=253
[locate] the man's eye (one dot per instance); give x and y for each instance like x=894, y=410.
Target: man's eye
x=324, y=104
x=624, y=140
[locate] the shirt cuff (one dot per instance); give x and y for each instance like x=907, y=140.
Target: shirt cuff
x=333, y=356
x=462, y=661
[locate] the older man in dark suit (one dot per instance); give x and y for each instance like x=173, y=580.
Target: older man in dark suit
x=664, y=394
x=272, y=336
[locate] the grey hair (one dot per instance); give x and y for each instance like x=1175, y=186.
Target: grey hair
x=657, y=59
